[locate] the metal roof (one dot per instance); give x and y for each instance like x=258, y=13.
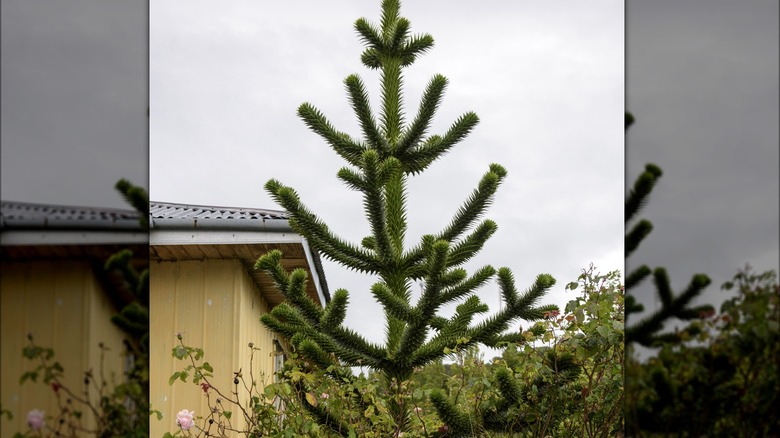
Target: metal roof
x=29, y=216
x=187, y=216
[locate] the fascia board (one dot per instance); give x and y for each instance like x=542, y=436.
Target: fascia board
x=219, y=237
x=70, y=237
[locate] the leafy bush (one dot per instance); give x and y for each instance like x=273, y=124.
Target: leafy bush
x=564, y=378
x=723, y=381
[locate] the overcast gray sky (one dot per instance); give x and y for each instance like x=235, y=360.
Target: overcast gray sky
x=702, y=81
x=545, y=78
x=74, y=100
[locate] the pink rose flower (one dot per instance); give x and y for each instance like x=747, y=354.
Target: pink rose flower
x=325, y=395
x=35, y=419
x=184, y=419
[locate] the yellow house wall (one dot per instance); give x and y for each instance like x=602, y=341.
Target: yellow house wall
x=62, y=305
x=216, y=306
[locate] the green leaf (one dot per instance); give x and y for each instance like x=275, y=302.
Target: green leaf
x=179, y=352
x=311, y=399
x=227, y=414
x=173, y=377
x=207, y=367
x=31, y=351
x=580, y=315
x=31, y=375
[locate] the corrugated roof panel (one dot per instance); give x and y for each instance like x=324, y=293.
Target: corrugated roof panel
x=36, y=216
x=168, y=210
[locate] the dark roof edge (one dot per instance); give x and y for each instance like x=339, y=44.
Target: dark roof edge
x=31, y=216
x=17, y=204
x=173, y=216
x=155, y=206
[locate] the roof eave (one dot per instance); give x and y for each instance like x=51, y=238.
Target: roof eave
x=171, y=231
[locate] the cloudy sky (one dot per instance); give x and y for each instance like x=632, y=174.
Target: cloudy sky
x=74, y=100
x=545, y=79
x=702, y=81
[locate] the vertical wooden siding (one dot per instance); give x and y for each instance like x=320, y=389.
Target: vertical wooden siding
x=62, y=305
x=216, y=306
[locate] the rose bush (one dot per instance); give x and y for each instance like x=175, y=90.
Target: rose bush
x=114, y=409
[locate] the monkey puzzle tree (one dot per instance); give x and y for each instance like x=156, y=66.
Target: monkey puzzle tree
x=646, y=331
x=391, y=151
